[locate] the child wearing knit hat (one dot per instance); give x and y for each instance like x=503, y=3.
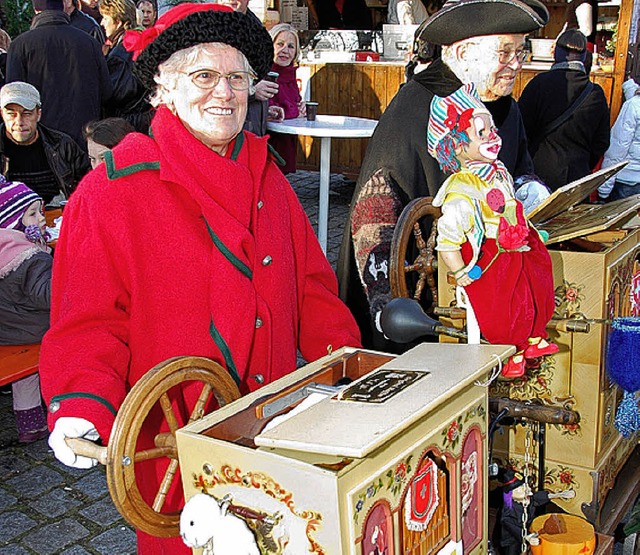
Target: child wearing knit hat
x=25, y=294
x=483, y=235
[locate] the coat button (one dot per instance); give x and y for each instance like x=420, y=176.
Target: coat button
x=267, y=260
x=259, y=378
x=54, y=406
x=258, y=322
x=260, y=204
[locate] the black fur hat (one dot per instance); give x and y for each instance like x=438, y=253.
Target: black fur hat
x=462, y=19
x=189, y=24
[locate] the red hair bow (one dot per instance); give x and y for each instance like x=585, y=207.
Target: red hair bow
x=462, y=121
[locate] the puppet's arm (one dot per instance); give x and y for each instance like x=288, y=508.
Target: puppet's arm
x=455, y=263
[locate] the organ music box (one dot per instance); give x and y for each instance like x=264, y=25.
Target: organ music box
x=595, y=251
x=393, y=462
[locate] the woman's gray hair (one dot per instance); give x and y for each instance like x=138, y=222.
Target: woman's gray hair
x=168, y=72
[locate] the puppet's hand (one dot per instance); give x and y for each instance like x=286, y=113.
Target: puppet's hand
x=463, y=280
x=566, y=494
x=68, y=426
x=532, y=539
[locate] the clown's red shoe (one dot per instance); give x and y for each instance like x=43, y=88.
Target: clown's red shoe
x=539, y=347
x=514, y=368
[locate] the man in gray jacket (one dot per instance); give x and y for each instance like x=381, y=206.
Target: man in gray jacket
x=49, y=162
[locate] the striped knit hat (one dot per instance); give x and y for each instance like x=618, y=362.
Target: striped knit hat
x=449, y=118
x=15, y=198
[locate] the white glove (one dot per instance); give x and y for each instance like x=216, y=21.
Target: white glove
x=532, y=539
x=68, y=426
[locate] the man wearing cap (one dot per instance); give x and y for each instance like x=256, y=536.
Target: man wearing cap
x=482, y=43
x=65, y=64
x=48, y=161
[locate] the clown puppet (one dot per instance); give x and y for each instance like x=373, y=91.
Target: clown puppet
x=484, y=237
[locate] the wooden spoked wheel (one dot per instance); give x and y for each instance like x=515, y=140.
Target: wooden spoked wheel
x=413, y=258
x=155, y=387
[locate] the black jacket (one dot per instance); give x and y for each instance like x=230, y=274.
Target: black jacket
x=67, y=66
x=129, y=98
x=25, y=297
x=67, y=160
x=399, y=147
x=574, y=148
x=86, y=23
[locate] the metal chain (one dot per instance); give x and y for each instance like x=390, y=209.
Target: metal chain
x=525, y=473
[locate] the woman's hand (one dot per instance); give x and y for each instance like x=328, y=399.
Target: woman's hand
x=275, y=113
x=266, y=90
x=302, y=109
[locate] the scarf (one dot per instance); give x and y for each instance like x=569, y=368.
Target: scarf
x=15, y=248
x=226, y=190
x=488, y=172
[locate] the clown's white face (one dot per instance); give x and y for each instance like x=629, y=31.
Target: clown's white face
x=484, y=141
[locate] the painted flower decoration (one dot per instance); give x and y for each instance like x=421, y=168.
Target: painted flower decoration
x=453, y=431
x=400, y=472
x=565, y=477
x=571, y=294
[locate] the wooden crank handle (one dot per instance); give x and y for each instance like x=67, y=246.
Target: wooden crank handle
x=86, y=448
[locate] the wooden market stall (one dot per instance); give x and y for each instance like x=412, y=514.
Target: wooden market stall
x=343, y=86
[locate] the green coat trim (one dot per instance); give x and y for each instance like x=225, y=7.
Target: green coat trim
x=113, y=173
x=237, y=147
x=84, y=395
x=228, y=254
x=226, y=352
x=279, y=159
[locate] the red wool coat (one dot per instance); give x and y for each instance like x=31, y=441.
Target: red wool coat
x=169, y=249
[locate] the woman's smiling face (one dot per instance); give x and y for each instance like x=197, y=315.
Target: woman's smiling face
x=214, y=116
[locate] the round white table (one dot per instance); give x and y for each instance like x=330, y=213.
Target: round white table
x=325, y=127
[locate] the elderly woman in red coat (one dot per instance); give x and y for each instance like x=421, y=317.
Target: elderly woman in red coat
x=187, y=242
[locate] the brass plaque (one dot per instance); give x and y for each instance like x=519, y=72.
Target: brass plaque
x=380, y=386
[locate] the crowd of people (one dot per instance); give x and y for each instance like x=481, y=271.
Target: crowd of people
x=137, y=112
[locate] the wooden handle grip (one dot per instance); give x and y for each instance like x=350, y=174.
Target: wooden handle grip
x=86, y=448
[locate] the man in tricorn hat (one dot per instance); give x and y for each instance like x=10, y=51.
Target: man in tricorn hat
x=482, y=43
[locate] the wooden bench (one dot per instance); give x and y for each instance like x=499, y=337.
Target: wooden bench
x=18, y=361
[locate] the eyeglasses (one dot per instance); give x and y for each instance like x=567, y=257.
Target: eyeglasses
x=506, y=56
x=208, y=79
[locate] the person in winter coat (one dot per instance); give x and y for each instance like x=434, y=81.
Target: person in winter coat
x=82, y=20
x=211, y=253
x=565, y=148
x=129, y=98
x=25, y=294
x=286, y=104
x=103, y=135
x=482, y=43
x=625, y=145
x=72, y=77
x=48, y=161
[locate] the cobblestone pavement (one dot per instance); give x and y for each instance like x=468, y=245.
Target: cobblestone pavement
x=47, y=508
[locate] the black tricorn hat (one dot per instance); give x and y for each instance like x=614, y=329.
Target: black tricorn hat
x=462, y=19
x=188, y=24
x=511, y=480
